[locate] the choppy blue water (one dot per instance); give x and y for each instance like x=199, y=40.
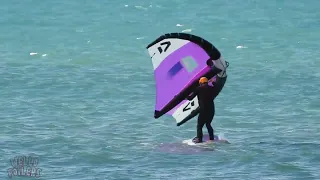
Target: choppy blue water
x=83, y=105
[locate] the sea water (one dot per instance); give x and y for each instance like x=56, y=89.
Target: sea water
x=78, y=92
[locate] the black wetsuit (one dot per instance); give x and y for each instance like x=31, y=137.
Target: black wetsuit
x=218, y=85
x=205, y=94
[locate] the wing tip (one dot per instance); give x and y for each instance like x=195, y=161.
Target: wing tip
x=156, y=114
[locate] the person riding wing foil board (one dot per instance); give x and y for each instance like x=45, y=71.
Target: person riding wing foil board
x=205, y=94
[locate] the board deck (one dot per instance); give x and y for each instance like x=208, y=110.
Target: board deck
x=205, y=140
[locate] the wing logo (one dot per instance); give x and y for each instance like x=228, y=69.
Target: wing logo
x=187, y=107
x=167, y=43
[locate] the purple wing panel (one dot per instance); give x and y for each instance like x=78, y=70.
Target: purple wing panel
x=174, y=73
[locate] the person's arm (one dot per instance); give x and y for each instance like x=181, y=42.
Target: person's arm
x=193, y=94
x=211, y=81
x=214, y=71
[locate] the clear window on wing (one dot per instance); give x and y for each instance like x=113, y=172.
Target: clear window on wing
x=189, y=63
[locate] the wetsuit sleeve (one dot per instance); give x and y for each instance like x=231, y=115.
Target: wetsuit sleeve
x=214, y=71
x=212, y=87
x=193, y=94
x=211, y=83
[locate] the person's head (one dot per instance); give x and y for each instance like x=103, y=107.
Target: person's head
x=203, y=80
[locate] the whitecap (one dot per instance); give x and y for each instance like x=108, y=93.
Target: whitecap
x=140, y=7
x=241, y=47
x=187, y=30
x=79, y=30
